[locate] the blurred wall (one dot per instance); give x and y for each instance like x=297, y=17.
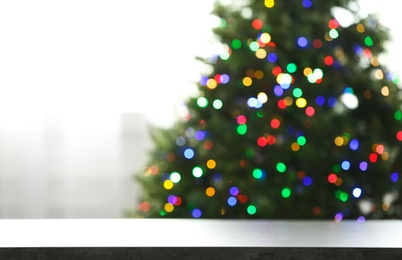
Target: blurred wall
x=81, y=166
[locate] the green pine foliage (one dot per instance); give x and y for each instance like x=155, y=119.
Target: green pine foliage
x=298, y=119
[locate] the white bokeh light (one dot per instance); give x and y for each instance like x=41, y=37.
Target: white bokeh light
x=350, y=100
x=357, y=192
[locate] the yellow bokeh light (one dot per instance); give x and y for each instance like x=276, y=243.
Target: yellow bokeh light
x=288, y=101
x=307, y=71
x=265, y=37
x=301, y=102
x=379, y=74
x=147, y=172
x=259, y=74
x=212, y=84
x=295, y=147
x=327, y=37
x=247, y=81
x=168, y=184
x=339, y=53
x=269, y=3
x=261, y=54
x=210, y=191
x=385, y=91
x=338, y=141
x=360, y=28
x=385, y=206
x=169, y=207
x=211, y=164
x=338, y=181
x=385, y=156
x=152, y=170
x=375, y=62
x=284, y=78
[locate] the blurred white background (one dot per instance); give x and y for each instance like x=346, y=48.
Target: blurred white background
x=81, y=80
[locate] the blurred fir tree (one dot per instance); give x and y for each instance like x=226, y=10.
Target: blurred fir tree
x=297, y=120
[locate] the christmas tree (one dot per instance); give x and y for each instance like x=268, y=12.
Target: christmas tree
x=298, y=119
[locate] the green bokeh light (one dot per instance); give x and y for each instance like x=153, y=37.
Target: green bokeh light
x=224, y=55
x=348, y=90
x=242, y=129
x=197, y=172
x=338, y=194
x=254, y=46
x=333, y=34
x=337, y=168
x=217, y=104
x=344, y=197
x=236, y=44
x=301, y=140
x=257, y=173
x=398, y=115
x=286, y=193
x=297, y=92
x=251, y=209
x=202, y=102
x=260, y=113
x=291, y=67
x=223, y=23
x=250, y=153
x=281, y=167
x=368, y=41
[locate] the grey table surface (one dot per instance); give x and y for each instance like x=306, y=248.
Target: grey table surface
x=199, y=233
